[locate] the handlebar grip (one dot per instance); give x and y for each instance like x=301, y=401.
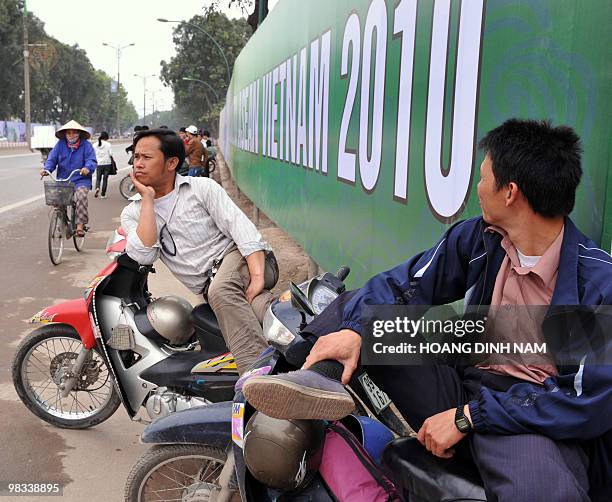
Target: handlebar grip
x=343, y=273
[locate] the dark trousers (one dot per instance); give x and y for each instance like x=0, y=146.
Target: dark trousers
x=102, y=174
x=525, y=467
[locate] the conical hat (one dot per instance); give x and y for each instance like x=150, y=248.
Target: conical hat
x=73, y=124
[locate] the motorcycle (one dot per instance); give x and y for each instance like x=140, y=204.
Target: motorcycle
x=94, y=353
x=198, y=454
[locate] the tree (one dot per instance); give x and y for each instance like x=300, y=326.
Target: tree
x=63, y=82
x=11, y=47
x=198, y=58
x=245, y=6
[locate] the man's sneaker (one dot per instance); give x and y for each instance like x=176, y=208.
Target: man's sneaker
x=302, y=394
x=103, y=196
x=97, y=192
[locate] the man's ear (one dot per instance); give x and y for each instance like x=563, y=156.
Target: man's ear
x=513, y=192
x=172, y=163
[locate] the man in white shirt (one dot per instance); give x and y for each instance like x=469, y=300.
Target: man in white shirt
x=203, y=238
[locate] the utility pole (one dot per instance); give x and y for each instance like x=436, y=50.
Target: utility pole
x=118, y=48
x=26, y=77
x=144, y=94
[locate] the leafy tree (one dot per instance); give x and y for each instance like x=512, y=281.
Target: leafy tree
x=198, y=58
x=11, y=47
x=63, y=82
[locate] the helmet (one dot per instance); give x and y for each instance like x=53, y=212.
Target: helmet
x=279, y=453
x=166, y=320
x=192, y=129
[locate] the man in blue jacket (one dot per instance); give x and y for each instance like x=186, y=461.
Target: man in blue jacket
x=536, y=432
x=72, y=152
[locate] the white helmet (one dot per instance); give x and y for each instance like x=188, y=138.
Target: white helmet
x=166, y=319
x=192, y=129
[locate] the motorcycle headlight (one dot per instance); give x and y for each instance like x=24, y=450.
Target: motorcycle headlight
x=275, y=331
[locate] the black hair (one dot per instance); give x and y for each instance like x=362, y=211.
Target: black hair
x=144, y=128
x=206, y=133
x=163, y=127
x=182, y=129
x=103, y=136
x=544, y=161
x=137, y=128
x=171, y=145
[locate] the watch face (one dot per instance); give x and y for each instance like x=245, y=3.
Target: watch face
x=462, y=424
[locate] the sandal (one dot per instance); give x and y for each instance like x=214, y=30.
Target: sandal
x=80, y=233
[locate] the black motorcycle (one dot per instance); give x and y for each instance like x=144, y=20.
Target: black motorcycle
x=199, y=453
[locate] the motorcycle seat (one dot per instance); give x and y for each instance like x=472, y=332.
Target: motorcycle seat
x=422, y=476
x=203, y=317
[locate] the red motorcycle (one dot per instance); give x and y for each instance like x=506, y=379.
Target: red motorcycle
x=119, y=345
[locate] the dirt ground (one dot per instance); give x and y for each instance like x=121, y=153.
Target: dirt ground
x=292, y=259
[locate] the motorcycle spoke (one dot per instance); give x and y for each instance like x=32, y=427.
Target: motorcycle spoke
x=48, y=361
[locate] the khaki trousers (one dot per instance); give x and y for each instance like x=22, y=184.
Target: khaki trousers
x=240, y=322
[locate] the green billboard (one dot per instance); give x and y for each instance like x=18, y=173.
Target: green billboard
x=354, y=124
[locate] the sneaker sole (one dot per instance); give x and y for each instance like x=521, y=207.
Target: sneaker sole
x=287, y=400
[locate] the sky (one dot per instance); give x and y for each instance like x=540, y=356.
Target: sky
x=119, y=23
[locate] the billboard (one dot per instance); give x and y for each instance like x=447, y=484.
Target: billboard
x=357, y=134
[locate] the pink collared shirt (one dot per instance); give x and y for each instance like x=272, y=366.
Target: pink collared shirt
x=518, y=286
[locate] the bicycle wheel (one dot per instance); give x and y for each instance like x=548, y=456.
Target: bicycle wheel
x=79, y=242
x=56, y=236
x=126, y=187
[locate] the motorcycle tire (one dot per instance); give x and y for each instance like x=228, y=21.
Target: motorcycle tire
x=126, y=188
x=149, y=467
x=43, y=409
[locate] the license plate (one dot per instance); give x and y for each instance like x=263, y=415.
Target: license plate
x=378, y=398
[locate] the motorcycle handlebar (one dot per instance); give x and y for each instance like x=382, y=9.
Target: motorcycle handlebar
x=343, y=273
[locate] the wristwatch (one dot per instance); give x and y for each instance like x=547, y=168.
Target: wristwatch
x=462, y=422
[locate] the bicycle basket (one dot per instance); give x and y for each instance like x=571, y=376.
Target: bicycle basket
x=58, y=193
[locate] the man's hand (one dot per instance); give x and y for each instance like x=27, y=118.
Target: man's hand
x=256, y=286
x=43, y=172
x=343, y=346
x=144, y=190
x=439, y=434
x=84, y=171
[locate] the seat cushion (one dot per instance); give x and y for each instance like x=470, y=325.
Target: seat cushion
x=420, y=475
x=203, y=317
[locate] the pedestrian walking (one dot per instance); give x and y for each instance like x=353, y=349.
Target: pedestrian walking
x=104, y=155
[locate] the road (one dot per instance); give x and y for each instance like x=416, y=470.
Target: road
x=91, y=464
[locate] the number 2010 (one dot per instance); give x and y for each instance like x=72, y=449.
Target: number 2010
x=446, y=186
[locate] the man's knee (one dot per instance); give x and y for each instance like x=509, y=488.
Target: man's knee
x=227, y=291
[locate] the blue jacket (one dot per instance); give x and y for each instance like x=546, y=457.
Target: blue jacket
x=67, y=160
x=576, y=404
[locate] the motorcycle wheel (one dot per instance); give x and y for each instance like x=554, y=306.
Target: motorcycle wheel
x=126, y=187
x=175, y=472
x=41, y=358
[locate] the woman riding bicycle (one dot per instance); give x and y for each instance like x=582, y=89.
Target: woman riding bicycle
x=71, y=152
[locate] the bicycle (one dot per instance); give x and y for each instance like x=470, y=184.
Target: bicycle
x=127, y=188
x=60, y=195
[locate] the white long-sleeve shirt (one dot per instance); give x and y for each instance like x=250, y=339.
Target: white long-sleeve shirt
x=103, y=153
x=203, y=222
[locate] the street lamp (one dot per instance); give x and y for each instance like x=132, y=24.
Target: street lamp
x=144, y=93
x=192, y=79
x=229, y=73
x=118, y=48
